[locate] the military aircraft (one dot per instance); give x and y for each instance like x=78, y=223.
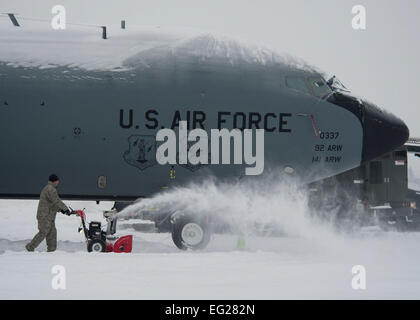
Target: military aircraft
x=89, y=109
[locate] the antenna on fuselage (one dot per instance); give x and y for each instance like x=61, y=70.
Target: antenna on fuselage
x=103, y=32
x=13, y=19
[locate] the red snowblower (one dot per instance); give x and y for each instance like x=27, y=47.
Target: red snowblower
x=98, y=240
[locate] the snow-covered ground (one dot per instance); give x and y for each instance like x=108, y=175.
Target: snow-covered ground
x=269, y=268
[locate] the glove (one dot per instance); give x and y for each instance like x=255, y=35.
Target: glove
x=66, y=212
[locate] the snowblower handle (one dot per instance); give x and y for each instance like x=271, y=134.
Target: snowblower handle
x=75, y=212
x=81, y=214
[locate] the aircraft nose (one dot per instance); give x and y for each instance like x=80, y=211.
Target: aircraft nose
x=383, y=132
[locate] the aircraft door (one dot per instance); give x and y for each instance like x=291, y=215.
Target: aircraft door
x=397, y=178
x=377, y=189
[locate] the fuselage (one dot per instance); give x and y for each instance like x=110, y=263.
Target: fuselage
x=96, y=127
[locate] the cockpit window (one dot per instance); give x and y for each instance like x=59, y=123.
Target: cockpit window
x=336, y=85
x=318, y=86
x=297, y=83
x=314, y=86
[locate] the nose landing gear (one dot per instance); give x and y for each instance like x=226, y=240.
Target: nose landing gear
x=189, y=232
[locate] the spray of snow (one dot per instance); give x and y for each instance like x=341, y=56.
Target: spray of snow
x=246, y=207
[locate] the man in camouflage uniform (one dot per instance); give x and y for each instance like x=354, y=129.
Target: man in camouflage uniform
x=48, y=206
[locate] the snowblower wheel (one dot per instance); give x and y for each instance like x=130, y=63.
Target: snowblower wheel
x=190, y=233
x=96, y=245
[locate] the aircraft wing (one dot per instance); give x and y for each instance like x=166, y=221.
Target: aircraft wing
x=413, y=145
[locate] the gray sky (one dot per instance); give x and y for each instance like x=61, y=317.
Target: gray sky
x=380, y=64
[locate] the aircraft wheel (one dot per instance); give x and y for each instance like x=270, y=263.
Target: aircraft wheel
x=190, y=233
x=96, y=245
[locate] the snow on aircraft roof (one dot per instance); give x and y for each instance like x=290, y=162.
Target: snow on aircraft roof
x=36, y=44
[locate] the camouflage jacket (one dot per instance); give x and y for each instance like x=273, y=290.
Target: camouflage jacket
x=49, y=203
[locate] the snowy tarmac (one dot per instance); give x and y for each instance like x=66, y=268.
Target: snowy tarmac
x=295, y=267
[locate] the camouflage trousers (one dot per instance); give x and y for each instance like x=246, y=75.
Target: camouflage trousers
x=47, y=231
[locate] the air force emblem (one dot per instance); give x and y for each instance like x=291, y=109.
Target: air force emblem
x=141, y=151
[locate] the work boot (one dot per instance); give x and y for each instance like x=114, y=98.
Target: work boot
x=29, y=248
